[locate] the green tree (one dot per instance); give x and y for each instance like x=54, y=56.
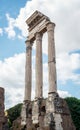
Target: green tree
x=74, y=107
x=14, y=113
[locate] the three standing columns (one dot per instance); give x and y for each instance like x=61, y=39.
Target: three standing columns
x=39, y=68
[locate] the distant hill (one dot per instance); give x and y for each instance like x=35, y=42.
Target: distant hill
x=73, y=104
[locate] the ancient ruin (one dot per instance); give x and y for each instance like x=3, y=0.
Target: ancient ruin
x=3, y=117
x=43, y=114
x=1, y=108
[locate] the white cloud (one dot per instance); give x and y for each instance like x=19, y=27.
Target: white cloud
x=66, y=67
x=64, y=14
x=20, y=22
x=1, y=31
x=12, y=78
x=64, y=94
x=10, y=29
x=20, y=37
x=12, y=72
x=75, y=60
x=13, y=96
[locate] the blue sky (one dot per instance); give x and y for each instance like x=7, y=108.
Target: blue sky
x=9, y=46
x=13, y=33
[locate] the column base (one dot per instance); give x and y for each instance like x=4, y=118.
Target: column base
x=26, y=112
x=57, y=113
x=36, y=110
x=48, y=114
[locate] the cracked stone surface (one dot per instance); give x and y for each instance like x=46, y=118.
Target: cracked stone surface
x=49, y=114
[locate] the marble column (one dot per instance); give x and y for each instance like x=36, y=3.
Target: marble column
x=28, y=71
x=39, y=68
x=51, y=58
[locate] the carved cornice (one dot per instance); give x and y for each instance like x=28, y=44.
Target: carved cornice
x=35, y=19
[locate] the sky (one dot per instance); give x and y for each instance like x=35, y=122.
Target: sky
x=14, y=32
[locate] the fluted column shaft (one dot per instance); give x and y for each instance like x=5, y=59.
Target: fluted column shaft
x=28, y=71
x=39, y=68
x=51, y=58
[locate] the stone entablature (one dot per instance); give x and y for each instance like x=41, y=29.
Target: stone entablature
x=37, y=23
x=35, y=19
